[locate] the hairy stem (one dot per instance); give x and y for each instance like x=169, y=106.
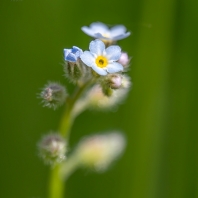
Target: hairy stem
x=56, y=185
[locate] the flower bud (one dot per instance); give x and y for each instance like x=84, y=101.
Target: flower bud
x=110, y=82
x=115, y=81
x=99, y=151
x=124, y=59
x=53, y=95
x=52, y=148
x=73, y=54
x=74, y=68
x=97, y=99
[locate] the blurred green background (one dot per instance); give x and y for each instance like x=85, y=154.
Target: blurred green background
x=159, y=117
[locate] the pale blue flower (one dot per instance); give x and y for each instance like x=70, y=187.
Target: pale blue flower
x=101, y=60
x=103, y=32
x=73, y=54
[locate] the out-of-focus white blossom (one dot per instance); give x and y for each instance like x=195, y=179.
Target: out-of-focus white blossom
x=103, y=32
x=96, y=99
x=99, y=151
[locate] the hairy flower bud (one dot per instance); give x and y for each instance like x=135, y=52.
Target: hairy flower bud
x=74, y=68
x=73, y=71
x=110, y=82
x=52, y=148
x=124, y=59
x=115, y=81
x=53, y=95
x=97, y=99
x=99, y=151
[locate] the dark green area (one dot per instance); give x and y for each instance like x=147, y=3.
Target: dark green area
x=159, y=117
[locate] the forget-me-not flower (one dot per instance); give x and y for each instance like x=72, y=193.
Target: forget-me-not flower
x=103, y=32
x=101, y=60
x=73, y=54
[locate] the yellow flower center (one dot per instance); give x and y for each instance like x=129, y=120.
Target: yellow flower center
x=107, y=42
x=106, y=35
x=101, y=61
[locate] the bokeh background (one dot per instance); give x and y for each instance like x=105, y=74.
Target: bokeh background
x=159, y=117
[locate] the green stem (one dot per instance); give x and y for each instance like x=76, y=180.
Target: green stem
x=56, y=185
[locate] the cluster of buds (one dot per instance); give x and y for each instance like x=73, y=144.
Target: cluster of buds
x=100, y=74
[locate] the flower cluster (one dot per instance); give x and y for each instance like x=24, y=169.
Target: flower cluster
x=103, y=57
x=100, y=77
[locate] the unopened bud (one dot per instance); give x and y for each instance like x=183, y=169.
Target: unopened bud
x=115, y=81
x=52, y=148
x=124, y=59
x=99, y=151
x=110, y=82
x=97, y=99
x=53, y=95
x=74, y=68
x=72, y=55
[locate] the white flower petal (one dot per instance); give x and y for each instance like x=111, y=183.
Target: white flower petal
x=66, y=52
x=87, y=58
x=99, y=70
x=101, y=31
x=95, y=28
x=113, y=52
x=97, y=47
x=118, y=30
x=99, y=27
x=114, y=67
x=88, y=31
x=101, y=37
x=119, y=37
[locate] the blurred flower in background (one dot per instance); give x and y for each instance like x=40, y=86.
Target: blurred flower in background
x=100, y=150
x=103, y=32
